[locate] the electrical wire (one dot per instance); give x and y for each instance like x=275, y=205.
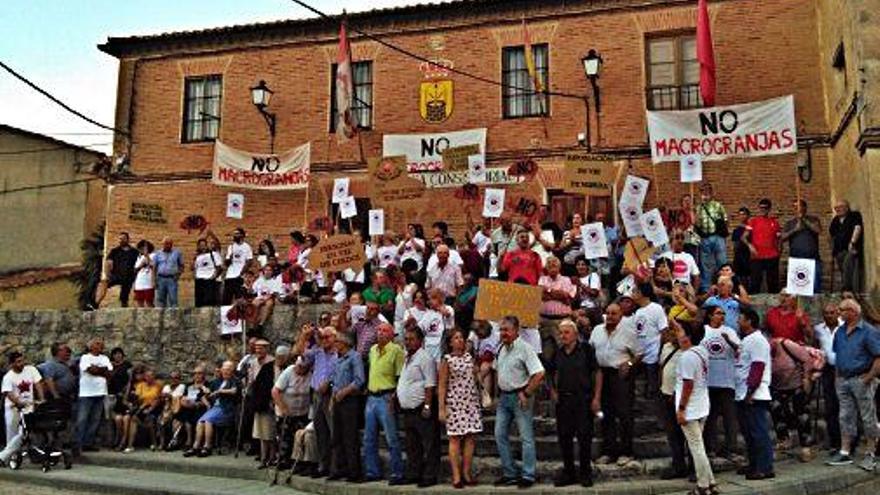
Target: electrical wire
x=47, y=186
x=57, y=101
x=416, y=56
x=56, y=148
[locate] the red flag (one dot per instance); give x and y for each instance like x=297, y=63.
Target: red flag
x=705, y=55
x=346, y=121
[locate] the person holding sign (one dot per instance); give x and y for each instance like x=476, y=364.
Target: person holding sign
x=413, y=245
x=522, y=262
x=711, y=226
x=802, y=235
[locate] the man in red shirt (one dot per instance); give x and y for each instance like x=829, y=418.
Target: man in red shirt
x=522, y=263
x=788, y=321
x=762, y=237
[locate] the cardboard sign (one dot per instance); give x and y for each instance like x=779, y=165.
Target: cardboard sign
x=691, y=168
x=338, y=252
x=235, y=205
x=636, y=252
x=594, y=241
x=476, y=169
x=340, y=189
x=495, y=300
x=586, y=175
x=457, y=158
x=634, y=191
x=377, y=222
x=230, y=323
x=801, y=277
x=653, y=228
x=493, y=203
x=387, y=168
x=348, y=208
x=631, y=215
x=401, y=189
x=145, y=212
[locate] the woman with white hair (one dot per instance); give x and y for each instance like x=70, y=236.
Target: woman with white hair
x=221, y=413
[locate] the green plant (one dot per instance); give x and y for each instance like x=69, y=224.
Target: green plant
x=92, y=249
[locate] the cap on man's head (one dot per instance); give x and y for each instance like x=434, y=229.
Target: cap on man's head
x=262, y=342
x=282, y=350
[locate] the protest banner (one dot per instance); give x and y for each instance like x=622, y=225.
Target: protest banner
x=801, y=277
x=340, y=189
x=336, y=253
x=594, y=241
x=424, y=152
x=586, y=175
x=493, y=203
x=285, y=171
x=230, y=322
x=499, y=176
x=476, y=169
x=456, y=158
x=634, y=191
x=235, y=206
x=717, y=133
x=653, y=228
x=495, y=300
x=377, y=222
x=348, y=208
x=691, y=168
x=631, y=215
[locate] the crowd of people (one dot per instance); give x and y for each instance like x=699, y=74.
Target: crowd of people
x=404, y=352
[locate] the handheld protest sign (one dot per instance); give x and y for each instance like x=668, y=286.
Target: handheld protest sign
x=495, y=300
x=337, y=253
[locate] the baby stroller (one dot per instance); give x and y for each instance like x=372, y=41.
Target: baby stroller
x=48, y=419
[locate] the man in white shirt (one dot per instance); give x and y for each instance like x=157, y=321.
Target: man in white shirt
x=415, y=392
x=650, y=322
x=20, y=385
x=824, y=334
x=237, y=256
x=684, y=267
x=753, y=377
x=692, y=402
x=94, y=369
x=617, y=352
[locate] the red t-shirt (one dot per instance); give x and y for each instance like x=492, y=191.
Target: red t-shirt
x=784, y=324
x=525, y=264
x=764, y=235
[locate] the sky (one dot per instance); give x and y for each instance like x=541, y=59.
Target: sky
x=54, y=44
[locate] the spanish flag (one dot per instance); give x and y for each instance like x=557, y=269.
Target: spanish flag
x=530, y=60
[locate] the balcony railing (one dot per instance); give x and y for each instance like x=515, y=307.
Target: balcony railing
x=682, y=97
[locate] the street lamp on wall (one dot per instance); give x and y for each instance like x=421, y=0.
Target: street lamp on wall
x=592, y=63
x=261, y=95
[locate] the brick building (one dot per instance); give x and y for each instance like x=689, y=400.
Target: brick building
x=763, y=49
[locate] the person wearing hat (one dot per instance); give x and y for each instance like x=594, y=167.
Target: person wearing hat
x=617, y=352
x=762, y=236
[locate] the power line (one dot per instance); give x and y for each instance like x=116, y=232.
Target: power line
x=55, y=148
x=57, y=101
x=47, y=186
x=416, y=56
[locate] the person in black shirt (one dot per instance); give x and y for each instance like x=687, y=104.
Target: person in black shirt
x=847, y=245
x=118, y=270
x=577, y=400
x=802, y=235
x=742, y=257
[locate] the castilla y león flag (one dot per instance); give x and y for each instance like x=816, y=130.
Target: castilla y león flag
x=705, y=55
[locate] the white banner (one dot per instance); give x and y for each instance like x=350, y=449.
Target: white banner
x=594, y=241
x=458, y=178
x=424, y=152
x=801, y=277
x=717, y=133
x=236, y=168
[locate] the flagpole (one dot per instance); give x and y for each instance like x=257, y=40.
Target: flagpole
x=306, y=208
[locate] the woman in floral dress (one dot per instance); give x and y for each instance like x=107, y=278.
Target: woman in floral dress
x=459, y=406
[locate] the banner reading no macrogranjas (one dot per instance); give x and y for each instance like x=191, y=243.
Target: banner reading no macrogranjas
x=717, y=133
x=285, y=171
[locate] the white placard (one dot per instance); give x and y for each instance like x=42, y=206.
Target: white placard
x=595, y=244
x=476, y=169
x=377, y=222
x=717, y=133
x=235, y=205
x=634, y=190
x=801, y=277
x=424, y=152
x=340, y=189
x=348, y=207
x=357, y=313
x=493, y=203
x=653, y=228
x=229, y=326
x=631, y=216
x=625, y=287
x=691, y=168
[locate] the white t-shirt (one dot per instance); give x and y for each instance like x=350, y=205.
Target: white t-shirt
x=143, y=280
x=591, y=281
x=434, y=325
x=649, y=322
x=409, y=251
x=206, y=265
x=178, y=391
x=684, y=267
x=91, y=385
x=238, y=255
x=388, y=256
x=265, y=287
x=454, y=258
x=490, y=344
x=693, y=365
x=722, y=357
x=22, y=384
x=754, y=348
x=482, y=242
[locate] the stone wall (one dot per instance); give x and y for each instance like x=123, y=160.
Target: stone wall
x=176, y=338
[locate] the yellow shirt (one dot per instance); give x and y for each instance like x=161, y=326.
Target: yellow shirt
x=385, y=367
x=681, y=313
x=148, y=394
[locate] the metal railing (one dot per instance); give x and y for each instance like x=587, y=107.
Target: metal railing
x=682, y=97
